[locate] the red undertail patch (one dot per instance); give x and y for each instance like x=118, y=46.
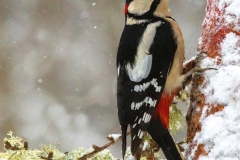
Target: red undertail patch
x=162, y=110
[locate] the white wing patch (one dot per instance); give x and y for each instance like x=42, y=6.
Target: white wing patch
x=143, y=60
x=146, y=117
x=144, y=86
x=146, y=101
x=140, y=133
x=141, y=69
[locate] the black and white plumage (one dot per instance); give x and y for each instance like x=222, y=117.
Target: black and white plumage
x=149, y=62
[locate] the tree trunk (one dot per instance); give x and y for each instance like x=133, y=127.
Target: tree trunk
x=214, y=114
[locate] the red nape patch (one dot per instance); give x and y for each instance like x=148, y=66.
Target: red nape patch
x=162, y=110
x=126, y=9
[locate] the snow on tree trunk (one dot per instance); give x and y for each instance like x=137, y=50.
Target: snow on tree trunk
x=214, y=113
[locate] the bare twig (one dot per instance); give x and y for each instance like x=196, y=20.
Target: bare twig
x=25, y=145
x=151, y=150
x=8, y=146
x=49, y=157
x=97, y=149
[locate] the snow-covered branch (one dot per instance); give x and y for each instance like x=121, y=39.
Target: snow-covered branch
x=213, y=124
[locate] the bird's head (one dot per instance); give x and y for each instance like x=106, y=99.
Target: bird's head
x=140, y=7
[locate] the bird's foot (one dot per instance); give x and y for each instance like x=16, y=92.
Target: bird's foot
x=197, y=70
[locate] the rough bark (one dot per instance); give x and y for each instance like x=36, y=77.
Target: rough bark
x=215, y=28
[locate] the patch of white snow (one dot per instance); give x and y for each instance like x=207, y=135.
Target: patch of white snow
x=220, y=132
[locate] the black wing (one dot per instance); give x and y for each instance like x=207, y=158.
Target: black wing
x=138, y=93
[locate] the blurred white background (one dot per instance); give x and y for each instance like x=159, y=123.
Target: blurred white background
x=57, y=67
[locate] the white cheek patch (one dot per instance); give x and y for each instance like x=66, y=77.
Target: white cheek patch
x=143, y=60
x=139, y=7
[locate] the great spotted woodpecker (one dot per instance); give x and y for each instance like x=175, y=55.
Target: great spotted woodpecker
x=149, y=66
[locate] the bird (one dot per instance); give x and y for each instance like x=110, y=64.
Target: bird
x=149, y=67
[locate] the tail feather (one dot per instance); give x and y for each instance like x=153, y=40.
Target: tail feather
x=135, y=142
x=124, y=139
x=169, y=147
x=163, y=138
